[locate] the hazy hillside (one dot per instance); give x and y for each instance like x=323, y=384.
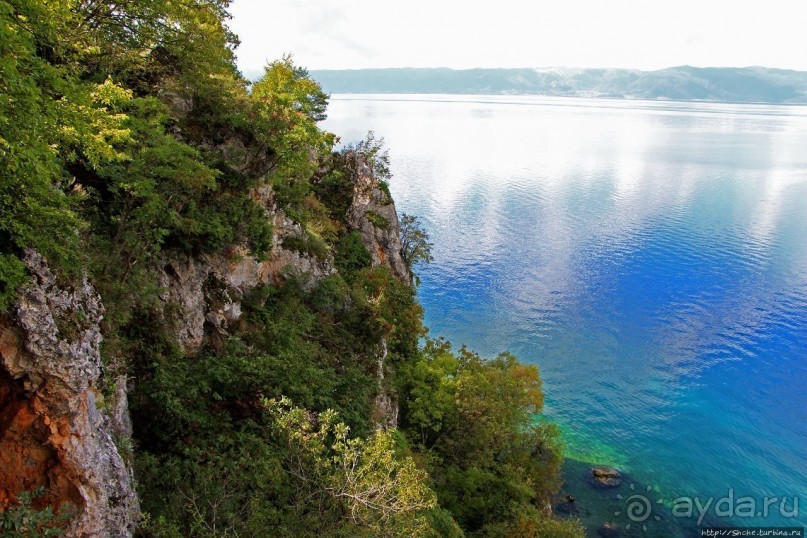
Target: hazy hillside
x=749, y=84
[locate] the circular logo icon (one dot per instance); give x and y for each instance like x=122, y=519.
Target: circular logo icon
x=638, y=507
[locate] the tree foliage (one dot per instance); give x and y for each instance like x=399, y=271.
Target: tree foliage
x=35, y=211
x=492, y=462
x=22, y=519
x=415, y=244
x=382, y=492
x=289, y=104
x=79, y=115
x=206, y=438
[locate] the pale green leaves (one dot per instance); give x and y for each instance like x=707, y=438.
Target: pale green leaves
x=379, y=489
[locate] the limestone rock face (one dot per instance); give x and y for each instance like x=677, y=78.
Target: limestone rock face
x=208, y=291
x=54, y=429
x=372, y=213
x=385, y=406
x=60, y=417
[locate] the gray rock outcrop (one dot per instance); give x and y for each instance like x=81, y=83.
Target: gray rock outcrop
x=208, y=290
x=372, y=213
x=55, y=430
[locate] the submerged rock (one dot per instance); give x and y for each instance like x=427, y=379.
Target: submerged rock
x=604, y=477
x=608, y=530
x=570, y=506
x=567, y=508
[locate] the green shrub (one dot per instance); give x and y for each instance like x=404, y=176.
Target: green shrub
x=351, y=256
x=12, y=275
x=307, y=244
x=377, y=220
x=21, y=519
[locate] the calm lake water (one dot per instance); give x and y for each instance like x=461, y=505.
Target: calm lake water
x=650, y=257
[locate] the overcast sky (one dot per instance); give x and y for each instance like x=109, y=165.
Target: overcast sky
x=646, y=34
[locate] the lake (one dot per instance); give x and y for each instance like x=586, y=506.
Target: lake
x=650, y=257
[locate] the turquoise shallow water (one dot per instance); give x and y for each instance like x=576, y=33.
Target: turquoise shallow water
x=650, y=257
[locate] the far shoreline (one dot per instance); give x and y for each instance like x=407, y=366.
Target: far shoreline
x=336, y=96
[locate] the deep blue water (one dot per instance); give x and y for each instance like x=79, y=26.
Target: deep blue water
x=650, y=257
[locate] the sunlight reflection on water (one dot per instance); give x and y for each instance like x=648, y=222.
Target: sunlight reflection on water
x=651, y=258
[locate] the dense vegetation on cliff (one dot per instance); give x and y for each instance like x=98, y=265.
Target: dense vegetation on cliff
x=128, y=141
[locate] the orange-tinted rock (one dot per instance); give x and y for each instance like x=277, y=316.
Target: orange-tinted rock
x=52, y=433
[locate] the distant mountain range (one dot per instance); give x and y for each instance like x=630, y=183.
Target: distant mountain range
x=720, y=84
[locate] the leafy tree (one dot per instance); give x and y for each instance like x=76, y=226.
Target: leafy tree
x=415, y=244
x=491, y=461
x=64, y=122
x=374, y=153
x=392, y=311
x=351, y=256
x=35, y=212
x=179, y=46
x=289, y=104
x=379, y=490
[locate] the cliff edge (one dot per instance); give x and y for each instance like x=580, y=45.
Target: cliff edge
x=65, y=426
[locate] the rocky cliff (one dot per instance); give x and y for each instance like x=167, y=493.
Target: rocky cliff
x=65, y=426
x=372, y=213
x=56, y=408
x=208, y=290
